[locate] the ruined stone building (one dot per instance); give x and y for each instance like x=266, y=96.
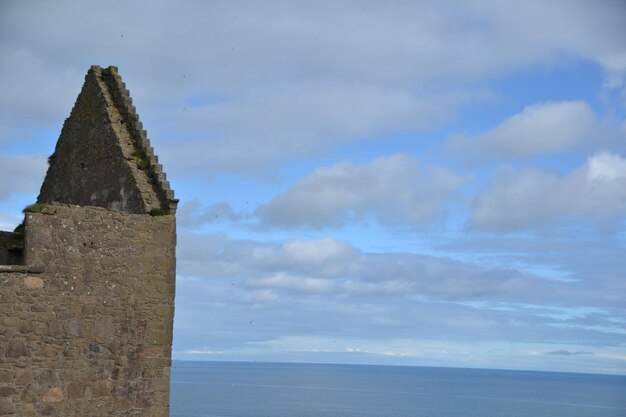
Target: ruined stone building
x=87, y=282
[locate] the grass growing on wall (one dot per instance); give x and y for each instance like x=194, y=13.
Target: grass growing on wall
x=34, y=208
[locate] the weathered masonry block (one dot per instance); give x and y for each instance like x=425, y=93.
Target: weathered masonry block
x=87, y=282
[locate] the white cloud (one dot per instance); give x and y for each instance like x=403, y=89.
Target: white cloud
x=537, y=129
x=606, y=168
x=305, y=118
x=21, y=174
x=264, y=296
x=533, y=197
x=391, y=286
x=346, y=271
x=293, y=283
x=245, y=86
x=9, y=221
x=394, y=189
x=193, y=213
x=381, y=296
x=202, y=351
x=321, y=255
x=34, y=94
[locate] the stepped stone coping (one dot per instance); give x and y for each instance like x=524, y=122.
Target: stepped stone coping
x=121, y=97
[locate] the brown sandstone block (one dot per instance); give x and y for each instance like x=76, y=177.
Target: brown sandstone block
x=28, y=410
x=104, y=330
x=8, y=297
x=10, y=322
x=6, y=375
x=164, y=288
x=159, y=338
x=48, y=379
x=49, y=351
x=150, y=351
x=40, y=308
x=163, y=311
x=28, y=397
x=16, y=349
x=159, y=385
x=53, y=395
x=100, y=389
x=26, y=327
x=89, y=310
x=152, y=373
x=158, y=412
x=25, y=377
x=53, y=327
x=75, y=390
x=6, y=407
x=7, y=391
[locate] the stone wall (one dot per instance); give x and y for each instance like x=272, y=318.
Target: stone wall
x=91, y=333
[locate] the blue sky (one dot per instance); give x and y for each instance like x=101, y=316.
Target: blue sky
x=399, y=182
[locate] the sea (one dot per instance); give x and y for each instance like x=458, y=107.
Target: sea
x=246, y=389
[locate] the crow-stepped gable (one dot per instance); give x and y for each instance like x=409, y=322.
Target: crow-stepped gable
x=87, y=281
x=103, y=157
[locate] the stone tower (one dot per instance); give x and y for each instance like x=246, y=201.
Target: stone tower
x=87, y=302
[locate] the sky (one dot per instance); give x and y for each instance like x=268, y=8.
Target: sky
x=430, y=183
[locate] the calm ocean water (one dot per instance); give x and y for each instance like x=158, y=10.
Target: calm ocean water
x=233, y=389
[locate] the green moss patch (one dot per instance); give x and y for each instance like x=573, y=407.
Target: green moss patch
x=34, y=208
